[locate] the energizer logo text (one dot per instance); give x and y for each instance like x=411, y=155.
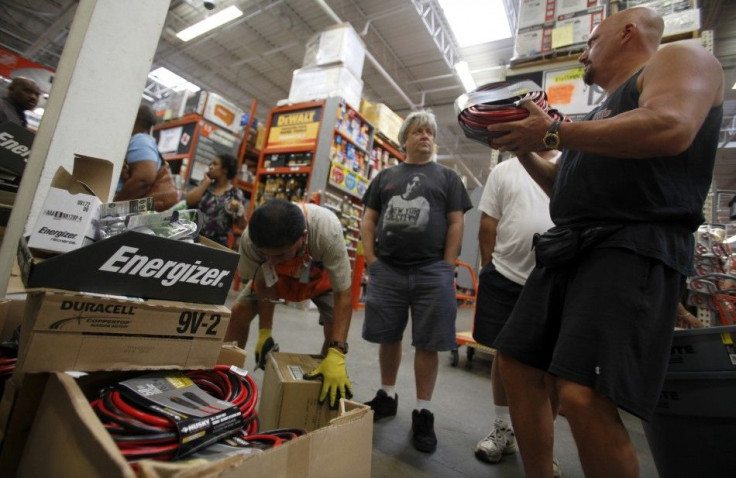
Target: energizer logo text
x=126, y=261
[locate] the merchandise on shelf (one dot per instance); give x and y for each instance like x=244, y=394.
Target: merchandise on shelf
x=291, y=187
x=326, y=152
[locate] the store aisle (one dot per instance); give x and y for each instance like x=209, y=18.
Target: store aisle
x=461, y=404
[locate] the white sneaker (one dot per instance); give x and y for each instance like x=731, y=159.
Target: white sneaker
x=556, y=472
x=501, y=441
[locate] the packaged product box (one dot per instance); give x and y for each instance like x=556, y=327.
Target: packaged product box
x=134, y=264
x=581, y=23
x=287, y=400
x=11, y=314
x=216, y=109
x=565, y=7
x=685, y=21
x=533, y=41
x=65, y=222
x=342, y=447
x=68, y=331
x=231, y=354
x=383, y=119
x=320, y=82
x=337, y=44
x=536, y=12
x=15, y=147
x=260, y=137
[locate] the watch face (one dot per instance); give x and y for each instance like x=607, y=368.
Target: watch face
x=551, y=140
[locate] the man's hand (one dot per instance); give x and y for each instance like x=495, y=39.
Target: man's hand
x=264, y=345
x=334, y=376
x=523, y=136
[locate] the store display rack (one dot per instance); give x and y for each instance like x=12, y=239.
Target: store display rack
x=326, y=152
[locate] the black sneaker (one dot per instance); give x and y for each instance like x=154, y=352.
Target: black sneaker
x=422, y=428
x=383, y=406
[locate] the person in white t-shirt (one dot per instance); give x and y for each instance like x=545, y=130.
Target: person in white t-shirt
x=513, y=208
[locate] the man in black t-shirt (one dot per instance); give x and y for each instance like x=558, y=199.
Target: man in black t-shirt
x=412, y=230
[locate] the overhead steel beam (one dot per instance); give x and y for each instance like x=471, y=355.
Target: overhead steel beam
x=434, y=22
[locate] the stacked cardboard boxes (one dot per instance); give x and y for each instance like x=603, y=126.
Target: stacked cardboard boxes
x=383, y=118
x=167, y=314
x=548, y=25
x=332, y=66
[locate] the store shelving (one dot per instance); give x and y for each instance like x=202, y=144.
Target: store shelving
x=332, y=152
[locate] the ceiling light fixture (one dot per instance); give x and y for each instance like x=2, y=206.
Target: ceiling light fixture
x=210, y=23
x=171, y=80
x=476, y=21
x=462, y=70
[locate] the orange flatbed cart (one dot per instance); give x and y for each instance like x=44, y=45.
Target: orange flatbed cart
x=467, y=298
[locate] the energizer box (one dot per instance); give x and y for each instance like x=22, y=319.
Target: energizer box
x=133, y=264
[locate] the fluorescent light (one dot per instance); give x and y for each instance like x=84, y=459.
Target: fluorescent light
x=171, y=80
x=210, y=23
x=476, y=21
x=462, y=70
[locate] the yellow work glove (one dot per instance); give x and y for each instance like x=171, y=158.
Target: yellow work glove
x=334, y=376
x=264, y=345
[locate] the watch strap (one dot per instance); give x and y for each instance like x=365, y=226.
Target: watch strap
x=341, y=346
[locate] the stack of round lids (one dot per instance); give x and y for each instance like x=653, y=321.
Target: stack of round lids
x=498, y=102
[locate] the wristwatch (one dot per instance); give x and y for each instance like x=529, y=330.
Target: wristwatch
x=552, y=137
x=341, y=346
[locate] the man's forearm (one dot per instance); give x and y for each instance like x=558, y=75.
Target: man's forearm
x=543, y=172
x=342, y=314
x=453, y=241
x=265, y=314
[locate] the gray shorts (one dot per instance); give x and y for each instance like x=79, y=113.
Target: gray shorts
x=427, y=291
x=605, y=322
x=325, y=303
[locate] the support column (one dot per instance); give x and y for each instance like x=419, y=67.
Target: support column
x=93, y=101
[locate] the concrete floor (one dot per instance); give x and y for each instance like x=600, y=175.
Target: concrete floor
x=461, y=405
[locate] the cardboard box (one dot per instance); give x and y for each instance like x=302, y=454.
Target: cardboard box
x=535, y=12
x=215, y=109
x=136, y=265
x=682, y=22
x=18, y=408
x=383, y=118
x=533, y=41
x=66, y=331
x=338, y=44
x=65, y=220
x=314, y=83
x=581, y=22
x=231, y=354
x=67, y=439
x=11, y=315
x=287, y=400
x=564, y=7
x=15, y=147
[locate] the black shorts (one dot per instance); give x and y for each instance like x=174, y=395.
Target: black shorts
x=497, y=297
x=605, y=322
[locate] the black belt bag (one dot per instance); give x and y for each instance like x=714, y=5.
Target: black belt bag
x=560, y=245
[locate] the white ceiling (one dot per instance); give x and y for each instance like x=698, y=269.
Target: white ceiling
x=254, y=56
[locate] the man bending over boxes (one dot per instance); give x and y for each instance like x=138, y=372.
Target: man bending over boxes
x=297, y=252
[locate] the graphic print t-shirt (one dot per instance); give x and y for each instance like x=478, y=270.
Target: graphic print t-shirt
x=413, y=201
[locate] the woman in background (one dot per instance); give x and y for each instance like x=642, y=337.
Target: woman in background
x=222, y=204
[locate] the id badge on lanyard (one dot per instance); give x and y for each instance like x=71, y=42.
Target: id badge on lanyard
x=304, y=274
x=269, y=275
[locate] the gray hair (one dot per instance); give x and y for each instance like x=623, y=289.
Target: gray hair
x=420, y=119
